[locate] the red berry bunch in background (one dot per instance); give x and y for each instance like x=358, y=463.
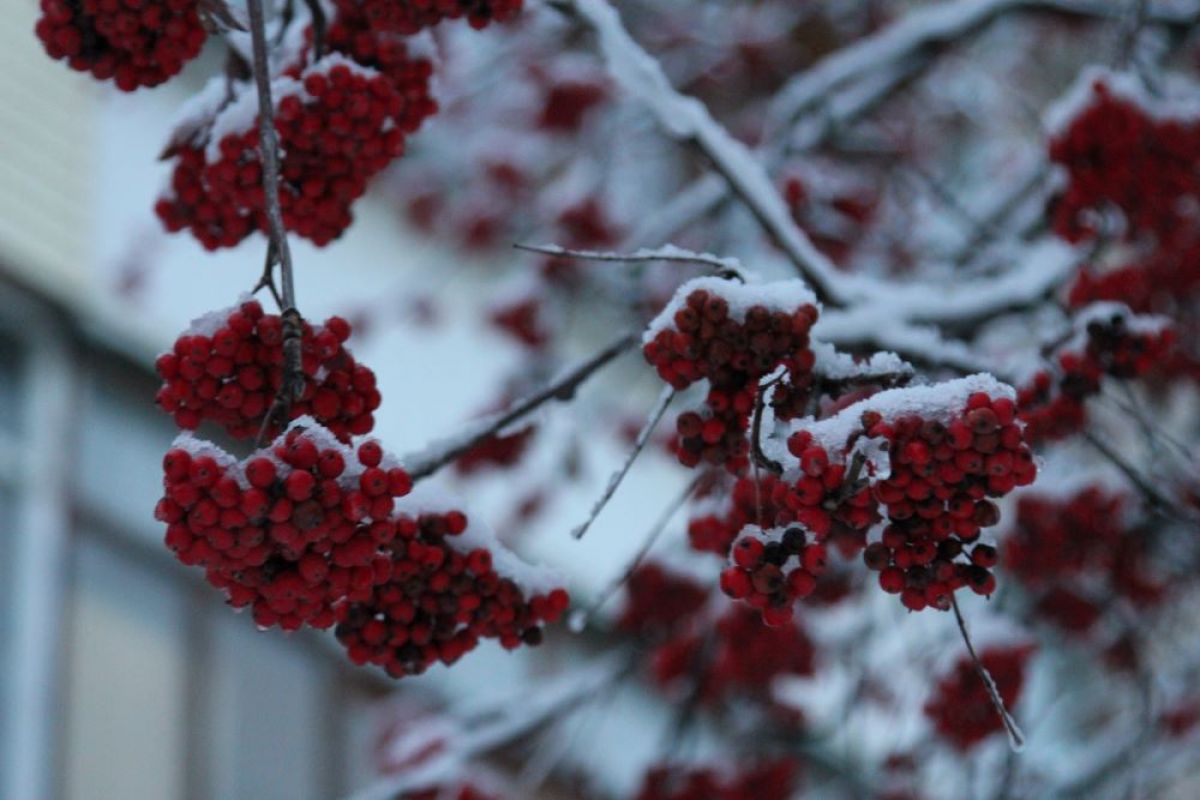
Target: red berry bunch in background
x=657, y=600
x=229, y=369
x=1081, y=549
x=338, y=128
x=132, y=44
x=738, y=655
x=463, y=791
x=410, y=16
x=292, y=532
x=1117, y=155
x=730, y=335
x=495, y=451
x=770, y=780
x=936, y=498
x=445, y=593
x=960, y=708
x=1112, y=342
x=353, y=37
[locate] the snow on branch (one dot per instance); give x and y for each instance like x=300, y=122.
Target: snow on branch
x=927, y=28
x=686, y=118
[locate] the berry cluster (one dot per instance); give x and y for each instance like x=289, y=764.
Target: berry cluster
x=443, y=596
x=731, y=336
x=338, y=127
x=771, y=569
x=229, y=370
x=936, y=498
x=771, y=780
x=292, y=533
x=657, y=601
x=960, y=708
x=132, y=44
x=411, y=16
x=1079, y=552
x=744, y=656
x=1116, y=155
x=1112, y=342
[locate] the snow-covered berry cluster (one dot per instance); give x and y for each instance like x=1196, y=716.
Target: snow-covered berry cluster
x=1111, y=341
x=410, y=16
x=936, y=497
x=444, y=595
x=730, y=335
x=229, y=367
x=960, y=708
x=1077, y=553
x=338, y=126
x=292, y=532
x=132, y=44
x=772, y=569
x=769, y=780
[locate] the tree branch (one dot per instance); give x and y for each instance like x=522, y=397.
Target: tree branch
x=1016, y=739
x=292, y=384
x=660, y=408
x=422, y=466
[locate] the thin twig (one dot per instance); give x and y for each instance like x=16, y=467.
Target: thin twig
x=292, y=384
x=760, y=458
x=664, y=400
x=580, y=619
x=1016, y=739
x=726, y=266
x=319, y=26
x=1155, y=498
x=561, y=389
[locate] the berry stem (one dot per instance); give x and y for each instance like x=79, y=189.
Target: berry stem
x=293, y=378
x=761, y=458
x=319, y=26
x=664, y=400
x=1016, y=739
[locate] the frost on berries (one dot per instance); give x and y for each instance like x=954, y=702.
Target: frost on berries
x=228, y=368
x=132, y=44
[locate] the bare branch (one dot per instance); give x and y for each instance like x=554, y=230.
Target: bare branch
x=562, y=389
x=664, y=400
x=669, y=253
x=1016, y=739
x=292, y=384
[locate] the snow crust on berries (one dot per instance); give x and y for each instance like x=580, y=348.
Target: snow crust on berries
x=196, y=447
x=242, y=113
x=1105, y=312
x=1180, y=98
x=531, y=578
x=775, y=296
x=939, y=401
x=198, y=110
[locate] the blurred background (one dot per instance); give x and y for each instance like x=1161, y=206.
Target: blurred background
x=122, y=675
